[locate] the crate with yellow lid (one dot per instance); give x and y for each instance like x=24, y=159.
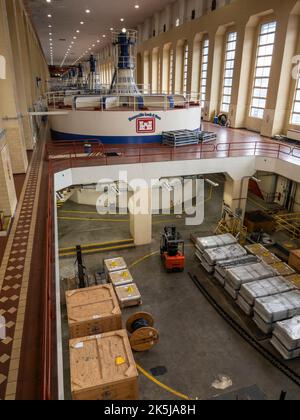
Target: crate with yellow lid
x=128, y=295
x=114, y=264
x=120, y=278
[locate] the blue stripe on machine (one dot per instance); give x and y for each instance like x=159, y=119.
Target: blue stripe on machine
x=57, y=135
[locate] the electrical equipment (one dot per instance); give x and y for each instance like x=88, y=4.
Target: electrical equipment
x=172, y=250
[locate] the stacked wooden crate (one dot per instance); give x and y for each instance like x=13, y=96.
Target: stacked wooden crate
x=101, y=359
x=120, y=277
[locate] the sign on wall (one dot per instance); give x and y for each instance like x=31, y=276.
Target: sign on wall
x=145, y=125
x=145, y=122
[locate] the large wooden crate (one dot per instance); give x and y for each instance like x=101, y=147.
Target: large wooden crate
x=294, y=259
x=103, y=368
x=92, y=311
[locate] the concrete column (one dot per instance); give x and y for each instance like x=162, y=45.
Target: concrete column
x=9, y=106
x=215, y=68
x=238, y=106
x=140, y=206
x=21, y=77
x=8, y=198
x=235, y=195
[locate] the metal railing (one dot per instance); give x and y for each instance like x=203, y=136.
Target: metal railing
x=73, y=154
x=124, y=101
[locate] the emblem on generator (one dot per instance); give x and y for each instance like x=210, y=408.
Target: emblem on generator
x=145, y=125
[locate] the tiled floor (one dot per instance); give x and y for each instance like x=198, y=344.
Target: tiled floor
x=14, y=275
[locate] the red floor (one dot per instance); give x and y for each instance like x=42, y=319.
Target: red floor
x=230, y=143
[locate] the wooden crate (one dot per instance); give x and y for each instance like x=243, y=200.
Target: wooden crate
x=295, y=279
x=257, y=221
x=93, y=310
x=269, y=258
x=129, y=295
x=114, y=264
x=294, y=259
x=256, y=249
x=103, y=368
x=120, y=278
x=283, y=269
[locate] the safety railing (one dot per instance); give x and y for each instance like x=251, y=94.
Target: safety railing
x=124, y=101
x=98, y=154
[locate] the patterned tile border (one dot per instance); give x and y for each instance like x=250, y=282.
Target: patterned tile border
x=14, y=275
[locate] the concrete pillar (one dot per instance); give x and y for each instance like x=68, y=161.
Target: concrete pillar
x=235, y=195
x=140, y=206
x=238, y=106
x=8, y=198
x=215, y=68
x=9, y=106
x=21, y=72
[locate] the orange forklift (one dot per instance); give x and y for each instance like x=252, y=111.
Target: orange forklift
x=172, y=250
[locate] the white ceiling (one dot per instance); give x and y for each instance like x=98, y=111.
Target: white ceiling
x=67, y=15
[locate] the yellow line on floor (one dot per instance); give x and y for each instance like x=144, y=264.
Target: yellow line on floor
x=79, y=212
x=94, y=251
x=94, y=220
x=160, y=384
x=143, y=258
x=95, y=245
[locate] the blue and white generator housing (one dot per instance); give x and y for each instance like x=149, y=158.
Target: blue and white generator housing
x=127, y=113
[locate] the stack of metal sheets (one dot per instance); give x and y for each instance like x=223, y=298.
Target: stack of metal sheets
x=270, y=309
x=211, y=257
x=215, y=241
x=222, y=267
x=180, y=138
x=237, y=276
x=251, y=291
x=205, y=136
x=286, y=338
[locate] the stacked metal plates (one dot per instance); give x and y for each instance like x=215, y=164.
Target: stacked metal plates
x=222, y=267
x=215, y=241
x=212, y=256
x=270, y=309
x=251, y=291
x=286, y=338
x=180, y=138
x=205, y=136
x=237, y=276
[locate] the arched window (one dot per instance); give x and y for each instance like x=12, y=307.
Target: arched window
x=264, y=58
x=228, y=71
x=204, y=71
x=185, y=67
x=171, y=70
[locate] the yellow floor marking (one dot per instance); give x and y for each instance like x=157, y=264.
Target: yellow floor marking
x=94, y=251
x=94, y=220
x=160, y=384
x=95, y=245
